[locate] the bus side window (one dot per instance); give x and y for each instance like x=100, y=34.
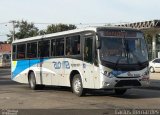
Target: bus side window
x=32, y=50
x=73, y=45
x=57, y=47
x=60, y=47
x=21, y=51
x=53, y=47
x=76, y=44
x=68, y=46
x=43, y=48
x=14, y=52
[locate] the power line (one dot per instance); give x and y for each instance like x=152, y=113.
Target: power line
x=3, y=35
x=74, y=23
x=48, y=23
x=45, y=23
x=4, y=22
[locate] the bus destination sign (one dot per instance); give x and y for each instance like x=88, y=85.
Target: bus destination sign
x=118, y=34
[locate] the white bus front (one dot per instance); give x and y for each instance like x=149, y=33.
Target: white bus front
x=123, y=59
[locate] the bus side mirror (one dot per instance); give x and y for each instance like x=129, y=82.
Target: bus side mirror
x=98, y=44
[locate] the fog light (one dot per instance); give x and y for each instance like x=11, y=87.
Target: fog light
x=145, y=78
x=106, y=84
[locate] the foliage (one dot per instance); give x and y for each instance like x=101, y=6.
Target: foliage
x=59, y=27
x=23, y=30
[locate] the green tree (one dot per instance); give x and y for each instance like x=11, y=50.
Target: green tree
x=23, y=30
x=59, y=27
x=42, y=32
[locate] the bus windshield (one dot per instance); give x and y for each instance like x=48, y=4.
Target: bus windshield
x=123, y=49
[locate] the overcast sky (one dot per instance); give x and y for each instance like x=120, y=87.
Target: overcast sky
x=76, y=11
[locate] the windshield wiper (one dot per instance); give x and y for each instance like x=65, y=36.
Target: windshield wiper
x=121, y=55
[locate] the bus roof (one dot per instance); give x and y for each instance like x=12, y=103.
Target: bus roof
x=69, y=32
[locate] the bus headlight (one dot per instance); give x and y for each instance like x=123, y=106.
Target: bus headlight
x=146, y=73
x=108, y=74
x=145, y=76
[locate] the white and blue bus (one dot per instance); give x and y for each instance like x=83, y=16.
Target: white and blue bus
x=89, y=58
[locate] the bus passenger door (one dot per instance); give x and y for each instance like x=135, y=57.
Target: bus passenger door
x=45, y=64
x=88, y=67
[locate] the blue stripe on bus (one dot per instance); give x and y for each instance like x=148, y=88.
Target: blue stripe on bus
x=24, y=64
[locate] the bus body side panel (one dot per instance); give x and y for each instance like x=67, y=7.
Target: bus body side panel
x=21, y=68
x=20, y=71
x=34, y=66
x=61, y=69
x=46, y=73
x=56, y=71
x=90, y=76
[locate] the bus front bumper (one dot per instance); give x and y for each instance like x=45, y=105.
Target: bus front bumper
x=125, y=83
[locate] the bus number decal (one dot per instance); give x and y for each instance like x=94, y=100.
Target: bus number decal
x=59, y=65
x=66, y=65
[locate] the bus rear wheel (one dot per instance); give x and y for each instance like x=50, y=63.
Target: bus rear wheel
x=32, y=81
x=77, y=86
x=120, y=91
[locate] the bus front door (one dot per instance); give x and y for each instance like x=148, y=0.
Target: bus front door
x=88, y=66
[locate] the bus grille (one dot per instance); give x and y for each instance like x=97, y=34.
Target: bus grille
x=122, y=83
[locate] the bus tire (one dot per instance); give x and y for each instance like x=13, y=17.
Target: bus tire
x=32, y=81
x=120, y=91
x=77, y=86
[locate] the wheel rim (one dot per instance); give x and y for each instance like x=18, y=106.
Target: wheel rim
x=32, y=81
x=151, y=69
x=77, y=85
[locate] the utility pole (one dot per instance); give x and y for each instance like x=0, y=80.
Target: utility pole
x=13, y=25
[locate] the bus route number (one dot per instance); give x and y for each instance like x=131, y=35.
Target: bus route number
x=59, y=65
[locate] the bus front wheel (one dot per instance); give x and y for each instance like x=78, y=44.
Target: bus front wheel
x=77, y=86
x=120, y=91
